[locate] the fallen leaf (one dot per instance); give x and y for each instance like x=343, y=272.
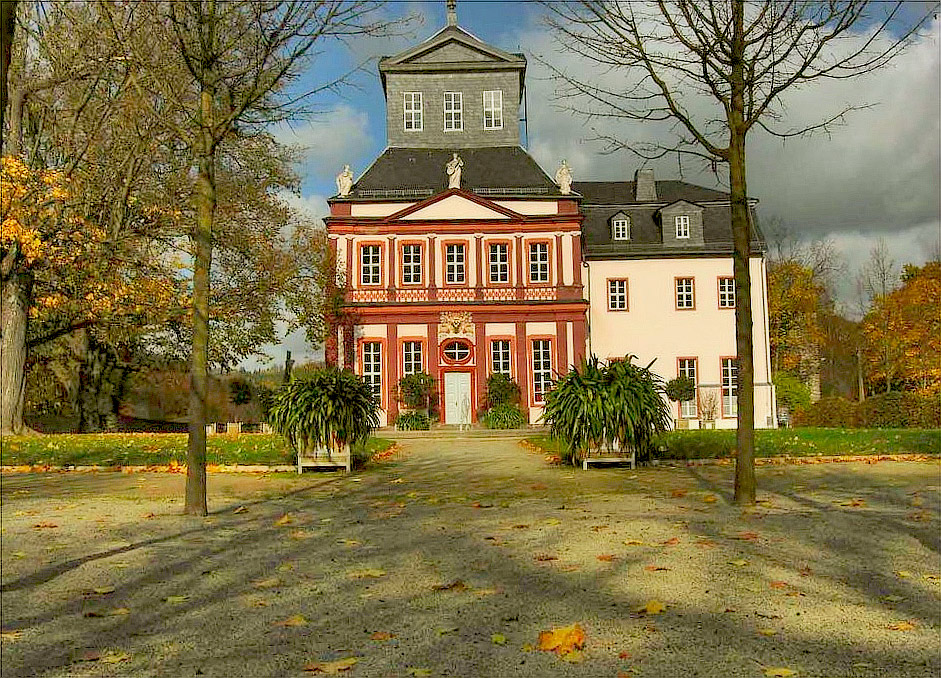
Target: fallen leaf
x=382, y=635
x=544, y=557
x=766, y=632
x=779, y=672
x=417, y=672
x=294, y=620
x=931, y=577
x=747, y=536
x=114, y=657
x=350, y=542
x=18, y=554
x=456, y=585
x=705, y=543
x=652, y=607
x=710, y=499
x=284, y=520
x=553, y=521
x=892, y=599
x=573, y=657
x=241, y=509
x=89, y=656
x=45, y=525
x=498, y=639
x=904, y=574
x=606, y=558
x=539, y=486
x=10, y=635
x=633, y=542
x=266, y=583
x=286, y=567
x=853, y=502
x=655, y=568
x=368, y=573
x=478, y=505
x=332, y=668
x=624, y=655
x=562, y=640
x=446, y=632
x=569, y=567
x=598, y=528
x=103, y=590
x=672, y=541
x=779, y=585
x=176, y=599
x=301, y=534
x=738, y=563
x=901, y=626
x=805, y=571
x=111, y=612
x=677, y=494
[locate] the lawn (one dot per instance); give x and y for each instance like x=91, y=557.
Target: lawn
x=795, y=442
x=144, y=449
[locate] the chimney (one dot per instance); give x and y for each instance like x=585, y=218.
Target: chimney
x=645, y=186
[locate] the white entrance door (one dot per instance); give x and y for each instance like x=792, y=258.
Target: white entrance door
x=457, y=398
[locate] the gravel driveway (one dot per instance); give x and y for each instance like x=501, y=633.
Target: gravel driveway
x=450, y=559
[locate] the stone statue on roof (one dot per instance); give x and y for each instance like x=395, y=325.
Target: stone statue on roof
x=563, y=177
x=454, y=168
x=345, y=182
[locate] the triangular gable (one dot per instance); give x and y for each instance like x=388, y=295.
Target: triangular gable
x=458, y=42
x=680, y=205
x=455, y=204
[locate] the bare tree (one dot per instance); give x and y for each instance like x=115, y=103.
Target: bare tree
x=227, y=64
x=713, y=70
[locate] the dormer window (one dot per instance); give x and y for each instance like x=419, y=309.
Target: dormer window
x=682, y=226
x=453, y=112
x=413, y=112
x=621, y=227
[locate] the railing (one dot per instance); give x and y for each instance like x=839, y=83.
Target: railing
x=516, y=190
x=394, y=192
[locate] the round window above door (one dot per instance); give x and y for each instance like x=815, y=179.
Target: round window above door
x=456, y=352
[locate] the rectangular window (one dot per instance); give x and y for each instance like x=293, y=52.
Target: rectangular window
x=453, y=111
x=370, y=264
x=493, y=109
x=454, y=270
x=617, y=295
x=413, y=112
x=411, y=264
x=729, y=387
x=621, y=229
x=542, y=368
x=499, y=263
x=539, y=262
x=372, y=367
x=687, y=368
x=685, y=293
x=726, y=292
x=682, y=226
x=500, y=357
x=411, y=357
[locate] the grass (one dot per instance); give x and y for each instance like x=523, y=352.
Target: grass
x=144, y=449
x=795, y=442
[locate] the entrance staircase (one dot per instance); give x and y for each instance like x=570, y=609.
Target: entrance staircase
x=456, y=433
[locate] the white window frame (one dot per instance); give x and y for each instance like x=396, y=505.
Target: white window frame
x=413, y=115
x=621, y=229
x=372, y=367
x=542, y=368
x=681, y=223
x=501, y=357
x=726, y=292
x=729, y=387
x=685, y=293
x=370, y=265
x=455, y=264
x=499, y=261
x=686, y=367
x=453, y=111
x=411, y=264
x=411, y=357
x=456, y=351
x=617, y=294
x=493, y=108
x=539, y=264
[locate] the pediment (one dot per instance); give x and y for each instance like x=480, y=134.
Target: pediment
x=680, y=206
x=455, y=205
x=451, y=44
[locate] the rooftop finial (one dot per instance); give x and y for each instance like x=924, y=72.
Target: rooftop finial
x=452, y=12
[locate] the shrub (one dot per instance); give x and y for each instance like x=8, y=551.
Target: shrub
x=681, y=389
x=331, y=408
x=501, y=390
x=504, y=416
x=415, y=420
x=834, y=412
x=900, y=409
x=415, y=390
x=791, y=392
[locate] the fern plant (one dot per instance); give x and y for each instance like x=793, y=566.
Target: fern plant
x=503, y=416
x=331, y=408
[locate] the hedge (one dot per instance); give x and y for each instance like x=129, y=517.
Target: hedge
x=898, y=409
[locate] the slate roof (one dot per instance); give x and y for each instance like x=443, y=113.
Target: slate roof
x=410, y=173
x=602, y=200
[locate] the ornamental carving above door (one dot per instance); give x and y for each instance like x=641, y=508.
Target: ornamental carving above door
x=456, y=324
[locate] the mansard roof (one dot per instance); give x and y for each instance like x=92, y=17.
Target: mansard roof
x=410, y=173
x=604, y=199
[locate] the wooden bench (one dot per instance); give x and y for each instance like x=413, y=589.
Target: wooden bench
x=323, y=458
x=612, y=456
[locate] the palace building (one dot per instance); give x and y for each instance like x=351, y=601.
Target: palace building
x=463, y=258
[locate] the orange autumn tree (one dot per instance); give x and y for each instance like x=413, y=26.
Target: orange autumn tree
x=902, y=333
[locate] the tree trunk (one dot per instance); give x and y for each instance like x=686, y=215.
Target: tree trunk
x=7, y=27
x=14, y=305
x=741, y=236
x=199, y=366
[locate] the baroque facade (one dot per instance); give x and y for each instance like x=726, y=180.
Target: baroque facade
x=463, y=258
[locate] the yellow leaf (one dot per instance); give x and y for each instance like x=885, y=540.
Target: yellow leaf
x=573, y=657
x=382, y=635
x=266, y=583
x=901, y=626
x=779, y=672
x=176, y=599
x=368, y=573
x=652, y=607
x=284, y=520
x=114, y=657
x=766, y=632
x=710, y=498
x=904, y=574
x=285, y=567
x=301, y=534
x=562, y=640
x=416, y=671
x=103, y=590
x=332, y=668
x=498, y=639
x=738, y=563
x=295, y=620
x=633, y=542
x=10, y=635
x=19, y=554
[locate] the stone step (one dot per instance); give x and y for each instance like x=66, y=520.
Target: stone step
x=454, y=433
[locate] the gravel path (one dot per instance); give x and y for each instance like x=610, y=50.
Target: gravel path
x=450, y=559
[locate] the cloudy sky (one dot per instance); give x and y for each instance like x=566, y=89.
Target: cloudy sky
x=875, y=176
